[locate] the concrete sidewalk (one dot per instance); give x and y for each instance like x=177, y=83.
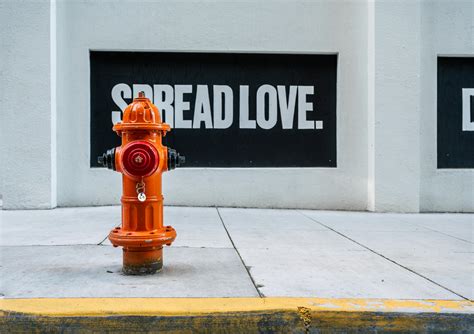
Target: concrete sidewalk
x=227, y=252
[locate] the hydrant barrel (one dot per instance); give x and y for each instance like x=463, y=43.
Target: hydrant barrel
x=142, y=159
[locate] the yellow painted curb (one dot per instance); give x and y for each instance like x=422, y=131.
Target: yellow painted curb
x=80, y=307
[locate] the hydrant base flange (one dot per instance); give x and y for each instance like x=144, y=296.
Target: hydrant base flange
x=146, y=239
x=142, y=262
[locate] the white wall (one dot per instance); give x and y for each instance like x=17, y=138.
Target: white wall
x=298, y=26
x=407, y=38
x=447, y=29
x=27, y=134
x=394, y=153
x=386, y=99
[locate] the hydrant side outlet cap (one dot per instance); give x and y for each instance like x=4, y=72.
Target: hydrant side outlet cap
x=140, y=159
x=107, y=159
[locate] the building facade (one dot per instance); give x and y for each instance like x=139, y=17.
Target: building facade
x=396, y=63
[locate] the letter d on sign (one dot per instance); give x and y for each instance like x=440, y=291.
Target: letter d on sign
x=467, y=122
x=223, y=118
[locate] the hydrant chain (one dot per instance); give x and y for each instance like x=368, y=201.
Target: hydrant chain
x=140, y=188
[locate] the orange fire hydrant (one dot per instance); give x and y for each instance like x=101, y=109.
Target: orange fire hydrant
x=141, y=159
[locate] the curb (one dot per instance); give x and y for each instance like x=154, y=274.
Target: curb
x=235, y=315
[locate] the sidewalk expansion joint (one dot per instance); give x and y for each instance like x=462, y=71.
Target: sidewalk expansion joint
x=100, y=245
x=448, y=235
x=51, y=245
x=383, y=256
x=107, y=236
x=103, y=240
x=261, y=295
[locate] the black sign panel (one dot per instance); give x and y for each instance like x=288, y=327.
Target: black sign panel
x=455, y=112
x=225, y=110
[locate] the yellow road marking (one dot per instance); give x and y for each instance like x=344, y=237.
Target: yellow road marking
x=196, y=306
